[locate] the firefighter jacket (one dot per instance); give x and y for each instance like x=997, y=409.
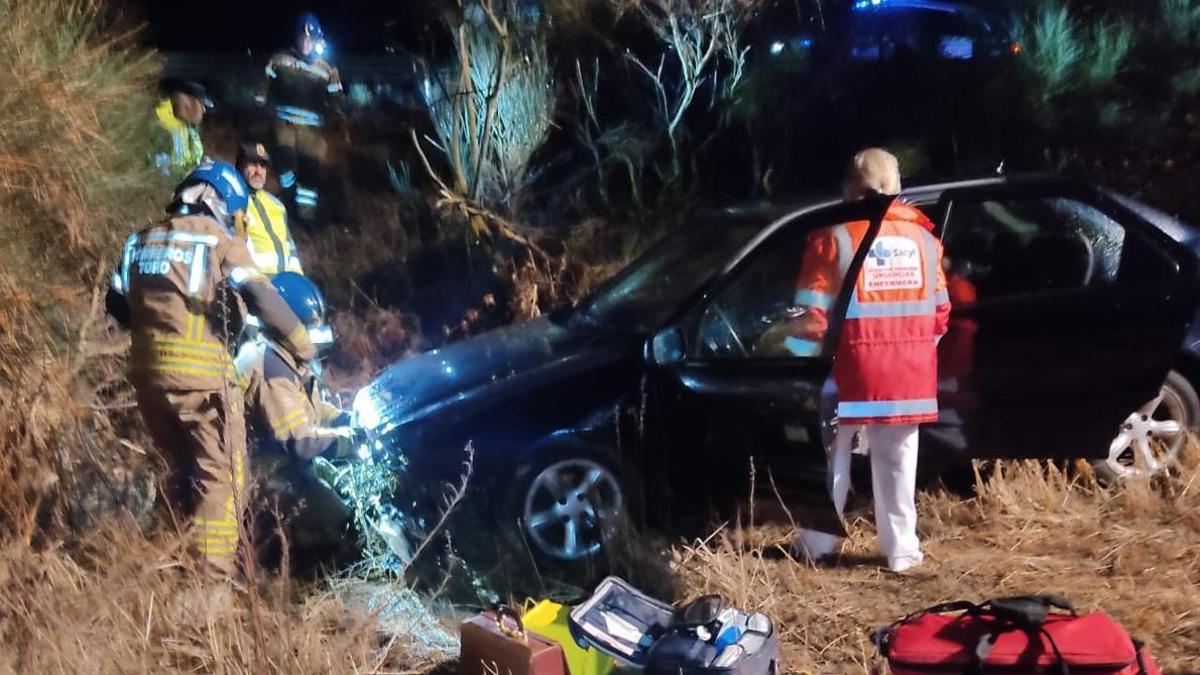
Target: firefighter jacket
x=177, y=145
x=299, y=91
x=182, y=287
x=885, y=366
x=288, y=416
x=268, y=237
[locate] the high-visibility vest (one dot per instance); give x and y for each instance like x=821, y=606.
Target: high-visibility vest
x=178, y=148
x=268, y=237
x=885, y=366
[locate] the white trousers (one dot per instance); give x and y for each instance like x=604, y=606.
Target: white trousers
x=893, y=451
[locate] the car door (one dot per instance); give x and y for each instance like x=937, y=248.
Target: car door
x=726, y=389
x=1068, y=312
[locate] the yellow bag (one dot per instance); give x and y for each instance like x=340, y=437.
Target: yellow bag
x=549, y=619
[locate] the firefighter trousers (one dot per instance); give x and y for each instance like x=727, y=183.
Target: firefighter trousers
x=300, y=155
x=893, y=452
x=202, y=436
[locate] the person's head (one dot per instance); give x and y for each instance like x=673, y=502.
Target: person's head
x=253, y=162
x=871, y=170
x=189, y=101
x=214, y=189
x=310, y=37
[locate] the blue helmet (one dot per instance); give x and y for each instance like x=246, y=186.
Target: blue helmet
x=232, y=195
x=308, y=26
x=307, y=302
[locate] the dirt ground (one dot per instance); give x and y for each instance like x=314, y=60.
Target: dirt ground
x=1129, y=551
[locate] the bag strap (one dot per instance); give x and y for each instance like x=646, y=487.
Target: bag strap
x=882, y=637
x=1139, y=651
x=988, y=641
x=1029, y=611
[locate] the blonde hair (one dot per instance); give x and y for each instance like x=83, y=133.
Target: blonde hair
x=875, y=169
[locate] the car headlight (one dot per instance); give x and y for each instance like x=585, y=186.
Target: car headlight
x=368, y=412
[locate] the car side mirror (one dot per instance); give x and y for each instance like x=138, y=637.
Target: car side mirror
x=667, y=346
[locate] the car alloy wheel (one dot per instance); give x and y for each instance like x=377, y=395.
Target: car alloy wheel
x=1152, y=437
x=570, y=508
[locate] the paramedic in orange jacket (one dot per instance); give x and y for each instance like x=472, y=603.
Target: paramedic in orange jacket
x=885, y=366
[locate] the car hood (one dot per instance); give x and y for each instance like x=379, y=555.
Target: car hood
x=409, y=387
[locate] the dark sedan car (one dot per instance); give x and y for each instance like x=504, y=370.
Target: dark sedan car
x=1069, y=337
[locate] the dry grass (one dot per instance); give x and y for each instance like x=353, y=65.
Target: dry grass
x=1031, y=528
x=120, y=603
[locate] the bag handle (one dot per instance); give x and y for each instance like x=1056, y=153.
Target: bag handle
x=504, y=611
x=1028, y=611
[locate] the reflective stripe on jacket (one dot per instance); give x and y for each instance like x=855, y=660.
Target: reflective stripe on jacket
x=177, y=148
x=301, y=91
x=268, y=236
x=287, y=413
x=885, y=367
x=173, y=275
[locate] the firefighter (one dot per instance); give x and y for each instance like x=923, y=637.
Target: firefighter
x=292, y=424
x=177, y=145
x=885, y=367
x=301, y=89
x=180, y=288
x=267, y=234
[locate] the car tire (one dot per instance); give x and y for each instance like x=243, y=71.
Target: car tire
x=565, y=504
x=1152, y=437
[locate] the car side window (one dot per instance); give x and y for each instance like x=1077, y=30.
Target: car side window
x=1008, y=247
x=763, y=312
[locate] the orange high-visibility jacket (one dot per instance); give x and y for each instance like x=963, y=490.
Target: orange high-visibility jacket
x=885, y=367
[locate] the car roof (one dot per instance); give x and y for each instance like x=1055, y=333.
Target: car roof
x=923, y=194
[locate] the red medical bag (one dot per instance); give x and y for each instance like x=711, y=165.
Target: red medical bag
x=1012, y=636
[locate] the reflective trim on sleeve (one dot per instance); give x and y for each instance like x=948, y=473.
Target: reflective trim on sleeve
x=126, y=259
x=854, y=409
x=287, y=179
x=334, y=88
x=810, y=298
x=291, y=422
x=240, y=275
x=800, y=347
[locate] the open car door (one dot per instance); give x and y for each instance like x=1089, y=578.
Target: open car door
x=1068, y=312
x=727, y=389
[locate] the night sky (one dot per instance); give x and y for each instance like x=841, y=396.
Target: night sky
x=352, y=26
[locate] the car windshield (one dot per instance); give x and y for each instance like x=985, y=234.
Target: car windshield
x=644, y=294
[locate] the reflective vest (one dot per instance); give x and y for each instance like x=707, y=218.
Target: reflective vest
x=177, y=148
x=268, y=237
x=885, y=366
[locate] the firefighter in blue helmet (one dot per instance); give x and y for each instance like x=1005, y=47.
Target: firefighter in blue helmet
x=292, y=424
x=177, y=289
x=301, y=89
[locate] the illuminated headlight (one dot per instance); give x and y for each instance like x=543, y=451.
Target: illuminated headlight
x=321, y=47
x=367, y=412
x=321, y=336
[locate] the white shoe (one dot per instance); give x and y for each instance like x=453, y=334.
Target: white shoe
x=905, y=563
